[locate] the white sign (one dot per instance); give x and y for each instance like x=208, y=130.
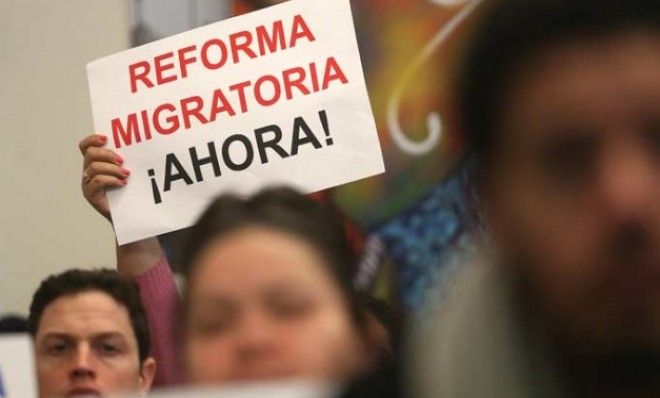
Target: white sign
x=283, y=389
x=17, y=376
x=272, y=97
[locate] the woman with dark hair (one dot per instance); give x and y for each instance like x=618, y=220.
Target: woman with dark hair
x=268, y=291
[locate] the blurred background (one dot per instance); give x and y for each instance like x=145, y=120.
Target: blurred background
x=415, y=221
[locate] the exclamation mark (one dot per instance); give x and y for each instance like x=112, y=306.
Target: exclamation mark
x=324, y=122
x=154, y=186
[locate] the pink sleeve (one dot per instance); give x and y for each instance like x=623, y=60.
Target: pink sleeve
x=160, y=300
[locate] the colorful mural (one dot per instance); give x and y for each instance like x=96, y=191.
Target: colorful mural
x=420, y=215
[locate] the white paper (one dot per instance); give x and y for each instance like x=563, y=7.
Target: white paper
x=17, y=375
x=283, y=389
x=313, y=32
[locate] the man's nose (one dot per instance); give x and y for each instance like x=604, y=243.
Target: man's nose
x=83, y=363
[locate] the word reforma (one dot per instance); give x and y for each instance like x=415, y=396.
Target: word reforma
x=216, y=52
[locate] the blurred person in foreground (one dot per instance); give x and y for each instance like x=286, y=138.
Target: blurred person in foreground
x=269, y=293
x=90, y=336
x=560, y=101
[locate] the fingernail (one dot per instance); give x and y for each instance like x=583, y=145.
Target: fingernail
x=103, y=139
x=120, y=160
x=125, y=172
x=123, y=181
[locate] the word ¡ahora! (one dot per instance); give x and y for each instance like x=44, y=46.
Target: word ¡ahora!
x=268, y=90
x=268, y=139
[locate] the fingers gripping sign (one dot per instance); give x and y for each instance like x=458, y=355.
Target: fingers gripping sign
x=102, y=170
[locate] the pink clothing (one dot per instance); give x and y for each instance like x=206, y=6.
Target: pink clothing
x=160, y=299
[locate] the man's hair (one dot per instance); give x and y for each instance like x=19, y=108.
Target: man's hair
x=285, y=210
x=124, y=291
x=510, y=32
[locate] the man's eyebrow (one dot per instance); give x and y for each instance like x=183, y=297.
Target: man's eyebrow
x=66, y=336
x=57, y=335
x=110, y=335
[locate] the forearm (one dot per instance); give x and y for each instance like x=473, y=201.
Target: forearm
x=160, y=299
x=136, y=258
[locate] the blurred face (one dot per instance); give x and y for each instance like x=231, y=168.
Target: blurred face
x=262, y=306
x=85, y=346
x=574, y=190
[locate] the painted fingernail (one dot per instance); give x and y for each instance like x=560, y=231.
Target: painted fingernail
x=120, y=160
x=103, y=139
x=125, y=172
x=124, y=181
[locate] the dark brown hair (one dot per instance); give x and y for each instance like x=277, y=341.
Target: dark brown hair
x=285, y=210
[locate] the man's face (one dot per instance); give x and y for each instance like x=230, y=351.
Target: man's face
x=573, y=192
x=85, y=346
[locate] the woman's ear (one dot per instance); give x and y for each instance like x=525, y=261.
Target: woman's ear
x=378, y=340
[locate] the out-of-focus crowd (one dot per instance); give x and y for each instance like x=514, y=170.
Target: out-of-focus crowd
x=557, y=101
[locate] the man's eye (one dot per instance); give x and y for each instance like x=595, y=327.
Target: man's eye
x=57, y=348
x=653, y=136
x=569, y=162
x=108, y=348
